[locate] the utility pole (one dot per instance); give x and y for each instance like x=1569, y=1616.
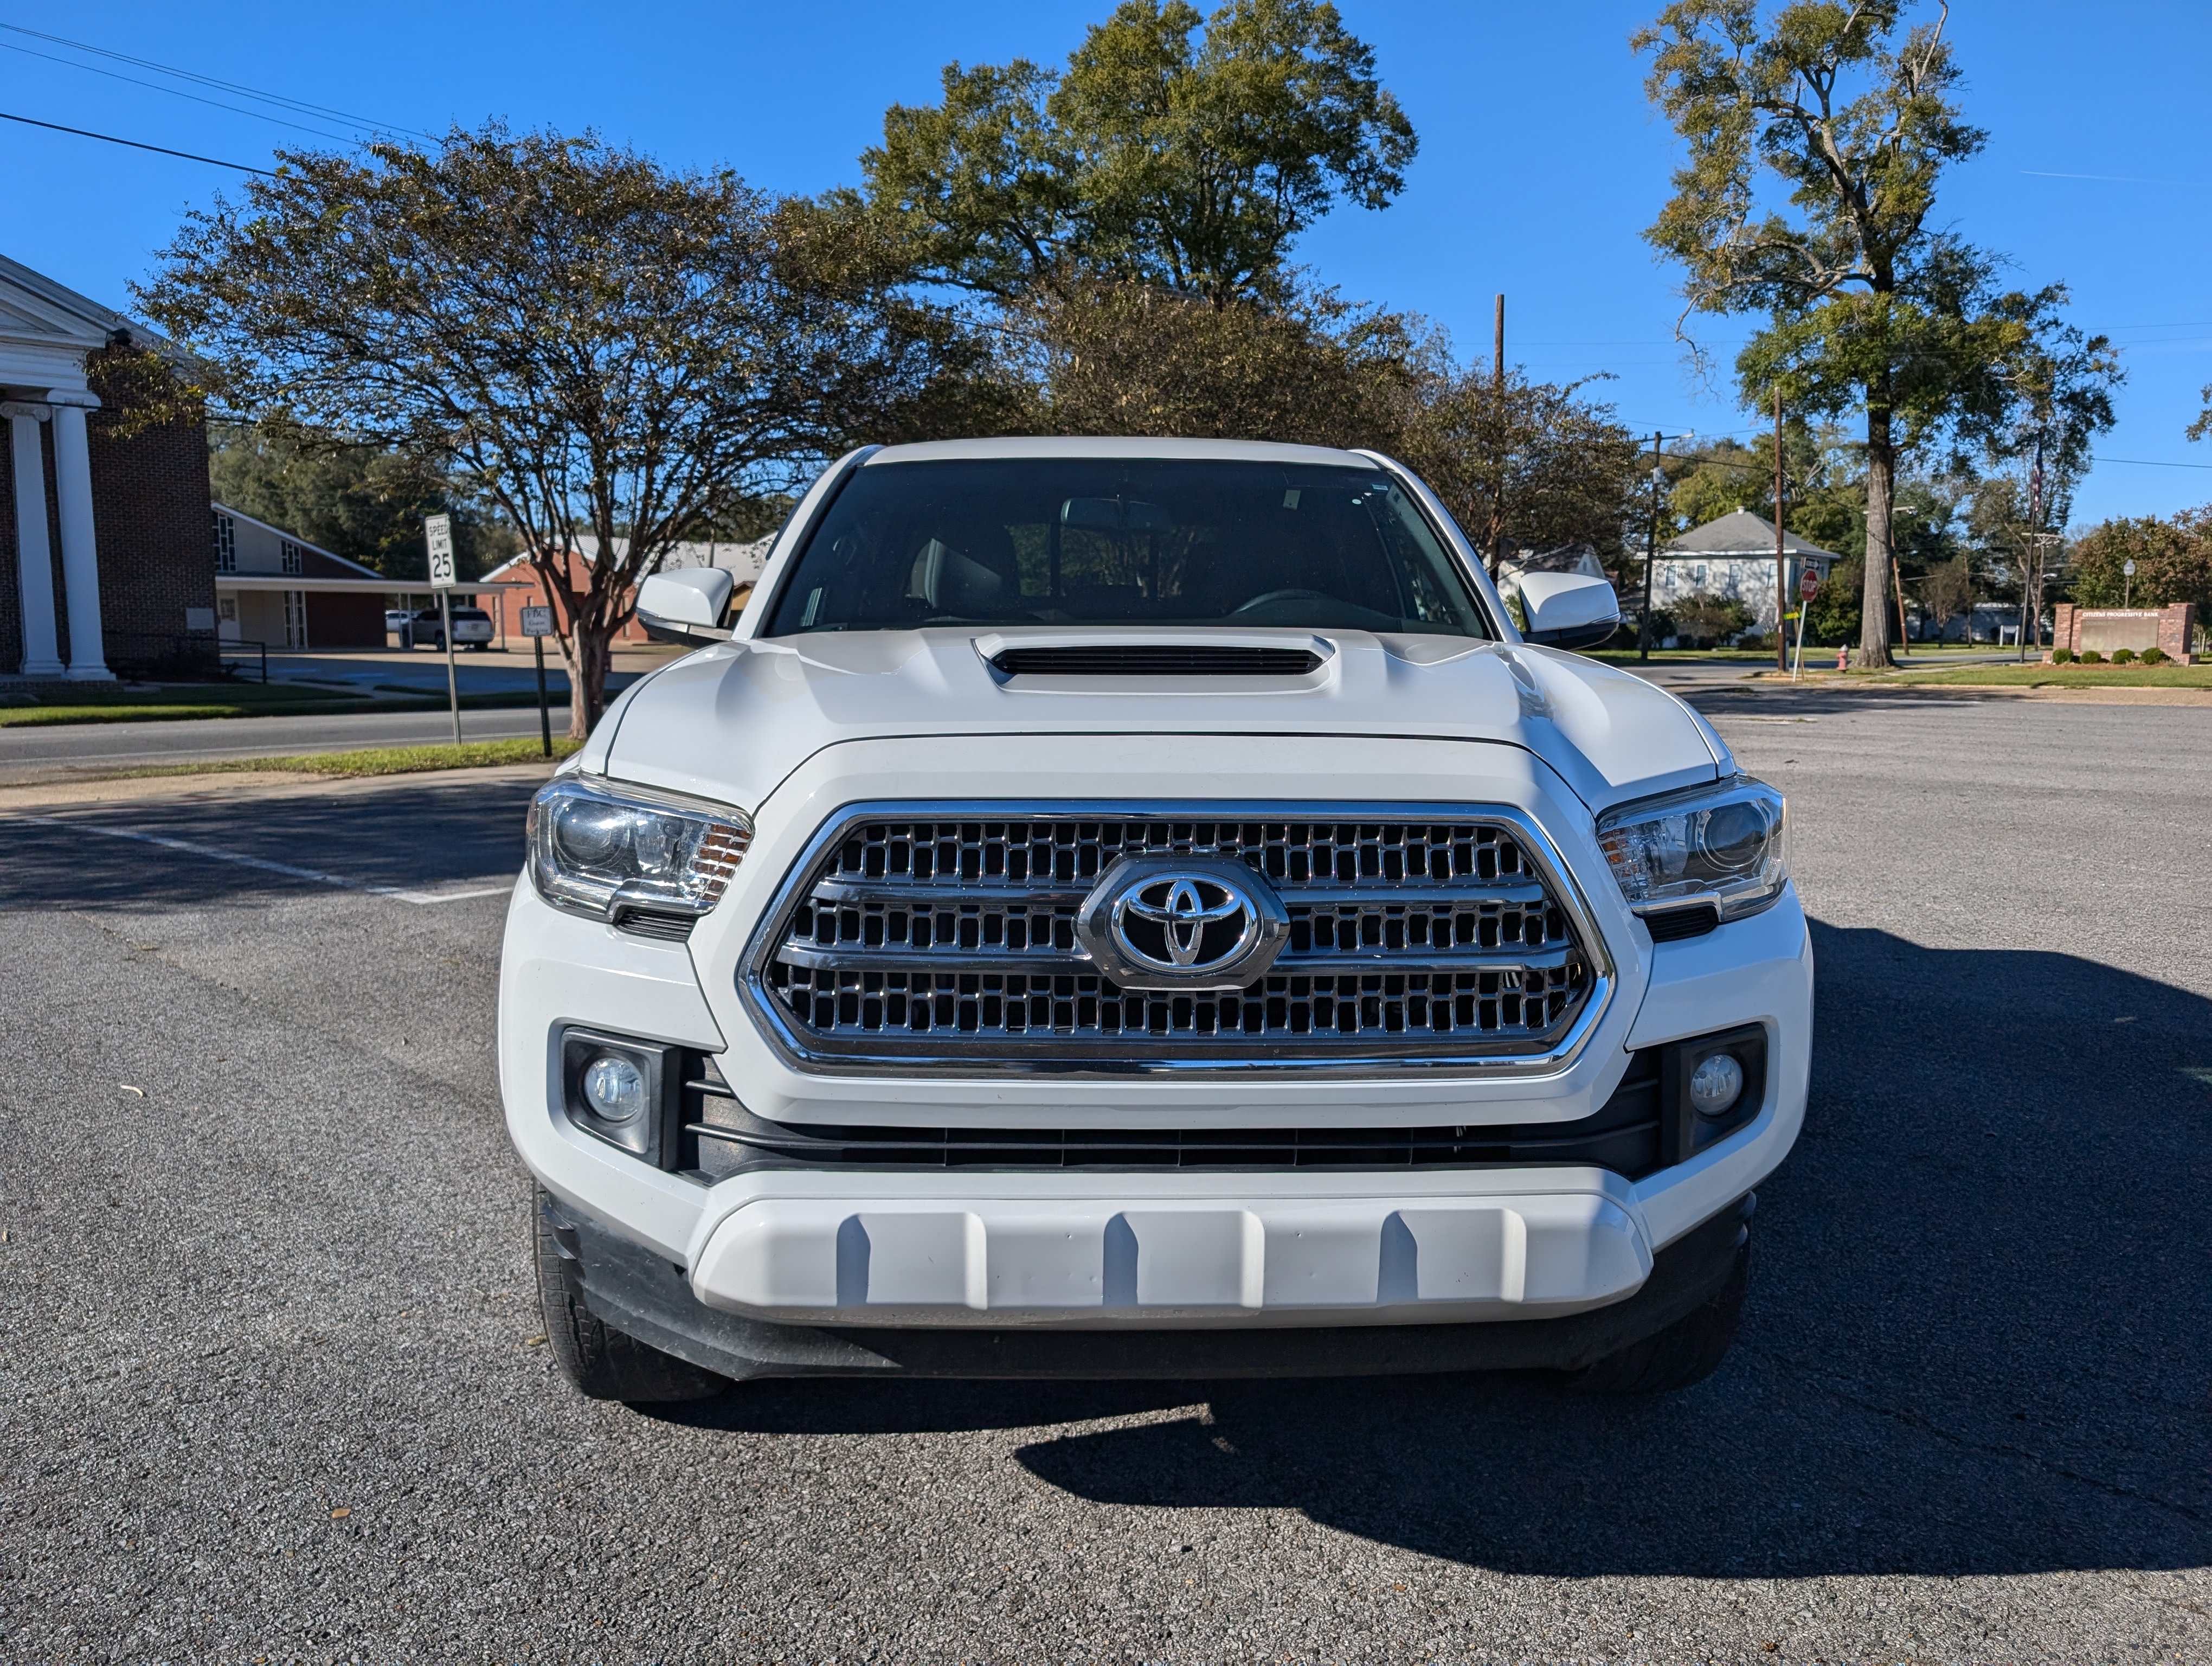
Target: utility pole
x=1498, y=406
x=2035, y=527
x=1651, y=552
x=1781, y=559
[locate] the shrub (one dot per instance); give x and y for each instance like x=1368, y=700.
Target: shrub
x=2123, y=656
x=2154, y=656
x=2062, y=656
x=2091, y=657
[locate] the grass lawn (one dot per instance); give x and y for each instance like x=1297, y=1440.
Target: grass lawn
x=2063, y=677
x=380, y=760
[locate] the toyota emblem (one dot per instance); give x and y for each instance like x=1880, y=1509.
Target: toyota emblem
x=1182, y=923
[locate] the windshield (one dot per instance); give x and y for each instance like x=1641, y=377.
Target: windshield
x=1074, y=540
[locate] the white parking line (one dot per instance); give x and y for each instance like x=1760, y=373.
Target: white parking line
x=395, y=893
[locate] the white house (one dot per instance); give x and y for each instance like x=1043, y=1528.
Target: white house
x=1733, y=558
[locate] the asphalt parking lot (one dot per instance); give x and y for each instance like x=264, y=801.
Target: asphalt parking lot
x=270, y=1388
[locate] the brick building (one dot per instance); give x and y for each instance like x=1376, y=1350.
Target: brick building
x=283, y=592
x=104, y=526
x=513, y=585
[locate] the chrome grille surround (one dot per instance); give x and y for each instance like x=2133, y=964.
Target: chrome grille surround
x=940, y=938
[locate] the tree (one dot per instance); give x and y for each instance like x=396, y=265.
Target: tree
x=1157, y=157
x=605, y=346
x=1126, y=358
x=2172, y=558
x=364, y=502
x=1871, y=309
x=1539, y=464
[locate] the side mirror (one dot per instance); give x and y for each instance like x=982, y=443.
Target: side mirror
x=686, y=605
x=1565, y=609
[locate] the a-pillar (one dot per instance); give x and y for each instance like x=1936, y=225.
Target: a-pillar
x=80, y=551
x=34, y=557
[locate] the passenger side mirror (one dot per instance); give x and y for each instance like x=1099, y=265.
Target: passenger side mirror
x=686, y=605
x=1565, y=609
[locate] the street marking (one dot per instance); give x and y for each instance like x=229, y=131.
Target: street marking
x=394, y=893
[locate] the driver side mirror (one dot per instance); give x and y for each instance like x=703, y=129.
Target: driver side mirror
x=686, y=605
x=1565, y=609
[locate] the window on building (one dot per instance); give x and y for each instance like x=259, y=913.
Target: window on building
x=225, y=544
x=295, y=561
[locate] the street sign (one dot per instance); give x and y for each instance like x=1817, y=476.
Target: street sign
x=438, y=530
x=537, y=622
x=1809, y=584
x=2129, y=568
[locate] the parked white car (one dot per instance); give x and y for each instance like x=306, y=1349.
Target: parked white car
x=1140, y=908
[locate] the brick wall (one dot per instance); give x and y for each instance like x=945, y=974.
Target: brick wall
x=149, y=511
x=343, y=620
x=2176, y=625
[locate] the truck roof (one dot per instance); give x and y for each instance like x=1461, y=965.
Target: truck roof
x=1239, y=451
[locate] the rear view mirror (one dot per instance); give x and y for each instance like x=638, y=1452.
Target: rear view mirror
x=1115, y=514
x=686, y=605
x=1567, y=610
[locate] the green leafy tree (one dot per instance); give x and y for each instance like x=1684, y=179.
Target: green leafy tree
x=2172, y=558
x=1180, y=152
x=1873, y=307
x=605, y=346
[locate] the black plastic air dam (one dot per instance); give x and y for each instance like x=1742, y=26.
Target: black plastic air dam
x=636, y=1291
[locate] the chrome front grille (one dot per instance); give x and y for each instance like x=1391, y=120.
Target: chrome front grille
x=945, y=936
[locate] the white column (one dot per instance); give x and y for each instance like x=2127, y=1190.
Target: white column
x=80, y=552
x=35, y=556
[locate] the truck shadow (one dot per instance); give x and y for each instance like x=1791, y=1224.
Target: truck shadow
x=1974, y=1345
x=400, y=834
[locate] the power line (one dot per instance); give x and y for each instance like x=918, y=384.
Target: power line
x=173, y=91
x=298, y=105
x=136, y=144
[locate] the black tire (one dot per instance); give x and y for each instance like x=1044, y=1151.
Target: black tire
x=1688, y=1351
x=604, y=1364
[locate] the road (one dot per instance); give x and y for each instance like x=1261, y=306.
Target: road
x=274, y=1387
x=31, y=752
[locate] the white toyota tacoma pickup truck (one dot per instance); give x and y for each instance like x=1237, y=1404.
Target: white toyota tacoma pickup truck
x=1146, y=908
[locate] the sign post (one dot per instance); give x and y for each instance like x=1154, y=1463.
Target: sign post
x=438, y=533
x=538, y=625
x=1808, y=585
x=2127, y=590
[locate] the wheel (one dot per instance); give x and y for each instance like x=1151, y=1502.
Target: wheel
x=1688, y=1351
x=604, y=1364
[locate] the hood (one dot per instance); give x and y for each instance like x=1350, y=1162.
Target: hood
x=730, y=721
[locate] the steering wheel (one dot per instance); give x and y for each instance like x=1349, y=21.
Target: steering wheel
x=1282, y=596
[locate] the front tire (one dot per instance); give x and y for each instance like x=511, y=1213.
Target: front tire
x=1688, y=1351
x=603, y=1362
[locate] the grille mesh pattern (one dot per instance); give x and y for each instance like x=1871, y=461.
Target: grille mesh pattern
x=954, y=938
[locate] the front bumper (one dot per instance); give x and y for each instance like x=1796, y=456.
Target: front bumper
x=1139, y=1253
x=644, y=1296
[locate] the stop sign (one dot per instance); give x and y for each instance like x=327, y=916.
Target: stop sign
x=1809, y=584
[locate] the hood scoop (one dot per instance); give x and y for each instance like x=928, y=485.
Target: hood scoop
x=1099, y=654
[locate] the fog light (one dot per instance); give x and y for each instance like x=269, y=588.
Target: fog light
x=615, y=1088
x=1716, y=1084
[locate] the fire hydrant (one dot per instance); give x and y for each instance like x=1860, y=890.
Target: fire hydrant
x=1843, y=659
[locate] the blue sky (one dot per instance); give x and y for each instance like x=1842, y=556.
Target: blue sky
x=1540, y=160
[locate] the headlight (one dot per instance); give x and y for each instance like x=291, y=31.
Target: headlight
x=631, y=854
x=1722, y=845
